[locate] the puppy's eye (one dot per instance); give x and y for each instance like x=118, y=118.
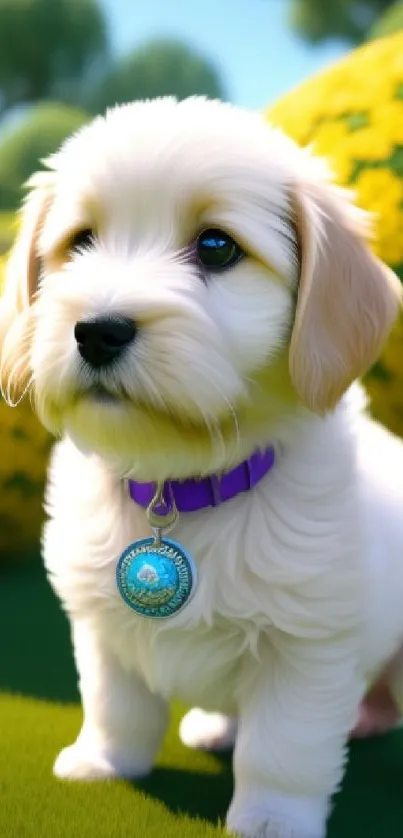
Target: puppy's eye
x=81, y=239
x=216, y=250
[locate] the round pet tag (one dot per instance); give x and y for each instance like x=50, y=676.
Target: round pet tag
x=156, y=578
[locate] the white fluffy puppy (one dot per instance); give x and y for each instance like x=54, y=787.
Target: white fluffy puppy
x=235, y=302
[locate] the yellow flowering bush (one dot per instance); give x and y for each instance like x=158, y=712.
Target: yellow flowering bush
x=352, y=114
x=24, y=453
x=7, y=230
x=24, y=449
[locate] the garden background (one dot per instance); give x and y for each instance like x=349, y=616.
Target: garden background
x=330, y=72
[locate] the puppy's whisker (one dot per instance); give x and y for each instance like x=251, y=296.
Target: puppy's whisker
x=22, y=393
x=216, y=435
x=214, y=432
x=153, y=394
x=232, y=413
x=255, y=384
x=31, y=394
x=59, y=387
x=17, y=371
x=234, y=416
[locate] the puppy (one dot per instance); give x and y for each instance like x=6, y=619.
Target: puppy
x=189, y=292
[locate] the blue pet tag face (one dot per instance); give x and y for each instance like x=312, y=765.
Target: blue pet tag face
x=156, y=579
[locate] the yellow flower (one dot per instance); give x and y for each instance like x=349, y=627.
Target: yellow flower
x=341, y=165
x=378, y=187
x=388, y=117
x=390, y=234
x=340, y=102
x=390, y=217
x=383, y=51
x=380, y=192
x=363, y=78
x=328, y=135
x=390, y=249
x=369, y=144
x=296, y=119
x=356, y=83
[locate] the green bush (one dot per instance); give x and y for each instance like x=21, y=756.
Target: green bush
x=158, y=68
x=22, y=149
x=7, y=231
x=391, y=21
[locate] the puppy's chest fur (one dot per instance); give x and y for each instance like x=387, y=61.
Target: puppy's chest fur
x=282, y=559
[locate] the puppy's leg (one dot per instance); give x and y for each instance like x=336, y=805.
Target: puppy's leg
x=295, y=715
x=123, y=722
x=379, y=712
x=208, y=731
x=394, y=679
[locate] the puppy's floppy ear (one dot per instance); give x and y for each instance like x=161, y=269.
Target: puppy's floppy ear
x=347, y=299
x=21, y=283
x=23, y=267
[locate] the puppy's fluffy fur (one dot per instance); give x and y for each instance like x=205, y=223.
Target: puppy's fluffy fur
x=299, y=604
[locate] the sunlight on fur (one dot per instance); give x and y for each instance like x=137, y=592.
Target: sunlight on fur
x=287, y=628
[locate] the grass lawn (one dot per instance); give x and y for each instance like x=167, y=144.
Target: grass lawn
x=187, y=794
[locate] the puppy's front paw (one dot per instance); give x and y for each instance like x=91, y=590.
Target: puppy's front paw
x=74, y=763
x=79, y=763
x=264, y=814
x=207, y=731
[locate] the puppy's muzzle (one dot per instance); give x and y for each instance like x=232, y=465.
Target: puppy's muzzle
x=103, y=340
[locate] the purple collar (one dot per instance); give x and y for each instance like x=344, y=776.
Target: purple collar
x=192, y=495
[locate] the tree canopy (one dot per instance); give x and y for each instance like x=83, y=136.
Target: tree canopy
x=47, y=48
x=57, y=51
x=21, y=151
x=158, y=68
x=351, y=20
x=391, y=21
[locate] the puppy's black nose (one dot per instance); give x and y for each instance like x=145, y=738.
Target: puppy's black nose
x=101, y=341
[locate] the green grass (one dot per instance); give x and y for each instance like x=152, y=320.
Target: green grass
x=187, y=794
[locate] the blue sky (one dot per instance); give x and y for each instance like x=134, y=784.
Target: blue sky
x=249, y=39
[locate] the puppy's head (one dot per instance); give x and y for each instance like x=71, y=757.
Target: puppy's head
x=184, y=275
